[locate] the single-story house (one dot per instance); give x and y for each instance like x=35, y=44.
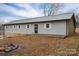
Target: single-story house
x=61, y=25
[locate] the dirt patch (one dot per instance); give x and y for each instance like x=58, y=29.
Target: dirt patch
x=30, y=45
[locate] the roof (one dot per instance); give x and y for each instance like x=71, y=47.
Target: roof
x=64, y=16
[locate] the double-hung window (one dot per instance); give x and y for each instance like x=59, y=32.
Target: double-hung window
x=27, y=26
x=48, y=25
x=19, y=26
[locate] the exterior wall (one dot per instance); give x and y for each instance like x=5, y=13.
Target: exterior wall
x=70, y=27
x=57, y=28
x=1, y=29
x=21, y=30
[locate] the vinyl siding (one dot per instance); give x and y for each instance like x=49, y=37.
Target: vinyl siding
x=57, y=28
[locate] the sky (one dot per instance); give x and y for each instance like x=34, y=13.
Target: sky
x=17, y=11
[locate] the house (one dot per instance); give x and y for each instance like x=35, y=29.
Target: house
x=55, y=25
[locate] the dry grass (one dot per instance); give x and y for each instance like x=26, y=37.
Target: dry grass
x=39, y=45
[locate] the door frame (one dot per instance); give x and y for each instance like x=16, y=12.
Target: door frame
x=36, y=28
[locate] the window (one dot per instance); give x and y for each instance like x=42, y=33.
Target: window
x=47, y=26
x=14, y=26
x=19, y=26
x=27, y=26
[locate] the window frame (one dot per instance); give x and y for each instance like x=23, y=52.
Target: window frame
x=19, y=26
x=45, y=25
x=27, y=26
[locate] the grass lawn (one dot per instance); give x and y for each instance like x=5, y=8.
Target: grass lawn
x=43, y=46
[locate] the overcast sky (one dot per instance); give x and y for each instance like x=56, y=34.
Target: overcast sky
x=13, y=11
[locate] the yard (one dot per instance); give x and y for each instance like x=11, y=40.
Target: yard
x=43, y=46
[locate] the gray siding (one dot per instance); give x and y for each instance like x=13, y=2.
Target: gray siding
x=57, y=28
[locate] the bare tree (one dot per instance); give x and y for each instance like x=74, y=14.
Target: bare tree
x=51, y=8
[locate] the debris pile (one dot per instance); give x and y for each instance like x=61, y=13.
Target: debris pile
x=8, y=48
x=11, y=47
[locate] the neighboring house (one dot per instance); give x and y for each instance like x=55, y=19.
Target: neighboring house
x=62, y=25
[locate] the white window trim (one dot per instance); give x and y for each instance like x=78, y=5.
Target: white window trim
x=49, y=25
x=26, y=26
